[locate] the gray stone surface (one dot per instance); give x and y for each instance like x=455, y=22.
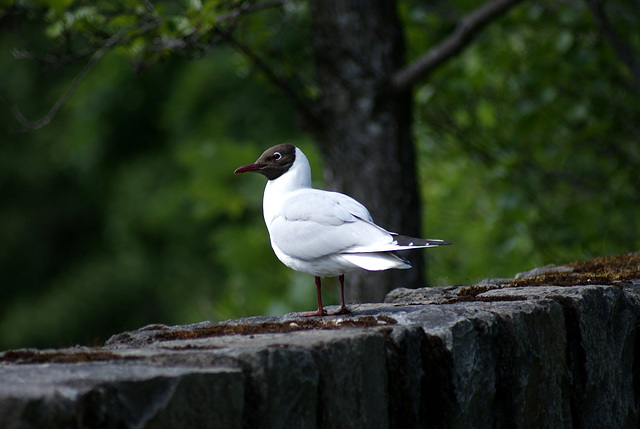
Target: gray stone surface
x=547, y=269
x=114, y=394
x=480, y=356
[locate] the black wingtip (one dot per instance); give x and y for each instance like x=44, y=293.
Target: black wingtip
x=403, y=240
x=442, y=242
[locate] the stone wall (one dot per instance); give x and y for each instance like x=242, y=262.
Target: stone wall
x=482, y=356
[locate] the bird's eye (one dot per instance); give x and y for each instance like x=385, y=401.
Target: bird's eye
x=276, y=156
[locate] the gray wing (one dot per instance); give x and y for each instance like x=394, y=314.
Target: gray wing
x=315, y=223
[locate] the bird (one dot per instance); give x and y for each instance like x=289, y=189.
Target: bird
x=323, y=233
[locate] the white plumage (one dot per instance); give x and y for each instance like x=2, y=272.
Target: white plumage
x=322, y=233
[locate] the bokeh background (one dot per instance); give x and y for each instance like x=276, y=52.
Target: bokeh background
x=124, y=210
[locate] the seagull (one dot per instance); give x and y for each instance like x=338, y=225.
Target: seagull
x=322, y=233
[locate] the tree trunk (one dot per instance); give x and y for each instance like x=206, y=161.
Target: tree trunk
x=365, y=138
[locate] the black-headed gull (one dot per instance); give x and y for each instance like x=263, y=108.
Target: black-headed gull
x=322, y=233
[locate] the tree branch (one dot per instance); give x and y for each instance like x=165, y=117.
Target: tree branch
x=621, y=49
x=302, y=105
x=148, y=22
x=404, y=79
x=30, y=126
x=59, y=104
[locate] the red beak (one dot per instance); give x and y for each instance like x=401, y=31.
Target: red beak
x=247, y=168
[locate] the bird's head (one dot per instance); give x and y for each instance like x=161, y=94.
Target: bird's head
x=273, y=163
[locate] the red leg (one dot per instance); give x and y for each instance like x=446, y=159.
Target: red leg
x=321, y=311
x=343, y=308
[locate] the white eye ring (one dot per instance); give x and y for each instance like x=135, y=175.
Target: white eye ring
x=277, y=156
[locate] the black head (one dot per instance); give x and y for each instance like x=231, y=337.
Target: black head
x=273, y=163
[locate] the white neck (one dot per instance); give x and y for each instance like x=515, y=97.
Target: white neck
x=298, y=177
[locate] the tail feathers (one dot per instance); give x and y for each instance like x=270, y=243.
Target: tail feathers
x=377, y=261
x=384, y=257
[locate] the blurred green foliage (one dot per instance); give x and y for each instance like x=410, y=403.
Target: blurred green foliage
x=124, y=210
x=530, y=145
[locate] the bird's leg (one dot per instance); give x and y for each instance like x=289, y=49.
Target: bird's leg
x=321, y=311
x=343, y=308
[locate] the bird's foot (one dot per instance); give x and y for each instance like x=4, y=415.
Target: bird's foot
x=318, y=312
x=342, y=310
